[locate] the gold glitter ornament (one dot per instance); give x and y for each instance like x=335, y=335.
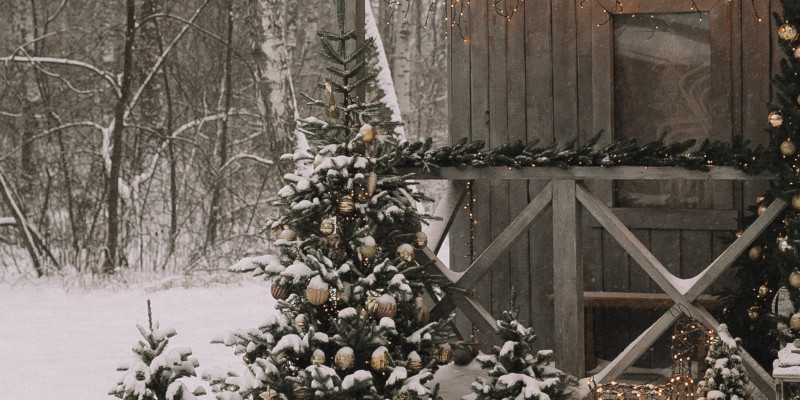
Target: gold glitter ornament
x=279, y=292
x=367, y=133
x=318, y=357
x=794, y=322
x=405, y=252
x=752, y=313
x=775, y=119
x=387, y=306
x=317, y=291
x=326, y=226
x=346, y=205
x=755, y=253
x=378, y=361
x=794, y=279
x=796, y=202
x=344, y=359
x=763, y=290
x=445, y=354
x=288, y=235
x=414, y=362
x=788, y=148
x=787, y=32
x=372, y=183
x=420, y=240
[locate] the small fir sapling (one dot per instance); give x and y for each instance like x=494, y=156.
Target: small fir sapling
x=152, y=373
x=726, y=377
x=514, y=371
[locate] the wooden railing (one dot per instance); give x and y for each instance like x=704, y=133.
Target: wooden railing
x=564, y=191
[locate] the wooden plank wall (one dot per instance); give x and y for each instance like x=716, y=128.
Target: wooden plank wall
x=546, y=75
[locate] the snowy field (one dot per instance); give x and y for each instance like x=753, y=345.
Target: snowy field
x=66, y=344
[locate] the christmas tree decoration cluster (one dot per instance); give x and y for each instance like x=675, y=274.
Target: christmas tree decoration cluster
x=765, y=310
x=352, y=320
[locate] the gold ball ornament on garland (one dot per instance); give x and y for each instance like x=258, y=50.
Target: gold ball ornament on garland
x=318, y=357
x=379, y=360
x=445, y=354
x=787, y=32
x=317, y=291
x=763, y=290
x=794, y=279
x=326, y=226
x=301, y=322
x=755, y=253
x=279, y=292
x=752, y=313
x=788, y=148
x=405, y=252
x=368, y=248
x=794, y=321
x=420, y=240
x=344, y=359
x=775, y=119
x=796, y=202
x=288, y=235
x=346, y=205
x=367, y=133
x=387, y=306
x=414, y=362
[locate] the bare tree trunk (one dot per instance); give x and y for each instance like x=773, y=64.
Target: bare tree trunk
x=116, y=136
x=223, y=106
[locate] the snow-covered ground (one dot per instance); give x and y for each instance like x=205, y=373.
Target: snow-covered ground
x=66, y=344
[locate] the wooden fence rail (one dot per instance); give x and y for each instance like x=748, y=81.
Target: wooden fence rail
x=564, y=193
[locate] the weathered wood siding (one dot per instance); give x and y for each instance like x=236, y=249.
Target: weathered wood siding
x=548, y=74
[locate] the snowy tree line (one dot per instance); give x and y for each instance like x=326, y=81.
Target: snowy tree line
x=148, y=94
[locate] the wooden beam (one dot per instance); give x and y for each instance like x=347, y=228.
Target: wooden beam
x=629, y=242
x=447, y=209
x=526, y=218
x=589, y=173
x=426, y=256
x=480, y=317
x=640, y=300
x=567, y=280
x=674, y=219
x=718, y=266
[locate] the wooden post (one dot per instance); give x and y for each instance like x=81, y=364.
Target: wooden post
x=568, y=281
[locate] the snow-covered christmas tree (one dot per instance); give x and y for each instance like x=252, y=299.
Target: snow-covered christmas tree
x=152, y=374
x=725, y=378
x=352, y=323
x=514, y=371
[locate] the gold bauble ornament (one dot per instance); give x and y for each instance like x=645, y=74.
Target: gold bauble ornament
x=794, y=322
x=371, y=304
x=301, y=322
x=318, y=357
x=414, y=362
x=787, y=32
x=405, y=252
x=279, y=292
x=445, y=354
x=420, y=240
x=326, y=226
x=796, y=202
x=387, y=306
x=268, y=394
x=378, y=361
x=788, y=148
x=752, y=313
x=288, y=235
x=794, y=279
x=367, y=133
x=317, y=291
x=755, y=253
x=368, y=250
x=763, y=290
x=346, y=205
x=344, y=358
x=761, y=208
x=372, y=183
x=775, y=119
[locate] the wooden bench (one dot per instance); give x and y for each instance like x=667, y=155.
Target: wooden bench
x=593, y=300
